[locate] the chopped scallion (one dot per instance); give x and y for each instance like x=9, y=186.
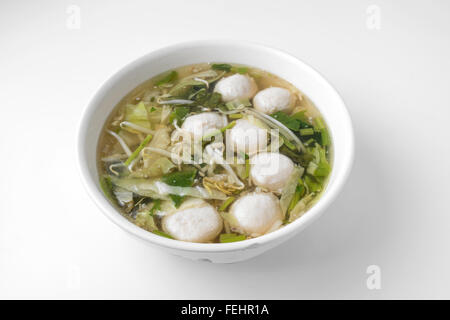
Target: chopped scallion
x=247, y=168
x=226, y=203
x=138, y=150
x=325, y=137
x=288, y=144
x=247, y=165
x=166, y=78
x=310, y=142
x=306, y=132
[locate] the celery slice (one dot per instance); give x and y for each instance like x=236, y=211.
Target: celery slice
x=306, y=132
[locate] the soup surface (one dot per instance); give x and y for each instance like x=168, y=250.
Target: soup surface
x=214, y=152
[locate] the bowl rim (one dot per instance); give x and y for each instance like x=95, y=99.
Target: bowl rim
x=283, y=233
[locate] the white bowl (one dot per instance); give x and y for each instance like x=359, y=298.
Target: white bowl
x=324, y=96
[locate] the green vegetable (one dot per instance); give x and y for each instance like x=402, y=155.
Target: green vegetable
x=167, y=78
x=318, y=170
x=145, y=221
x=138, y=150
x=179, y=113
x=312, y=184
x=156, y=207
x=180, y=178
x=319, y=166
x=156, y=189
x=238, y=104
x=300, y=115
x=226, y=203
x=107, y=187
x=288, y=192
x=298, y=122
x=310, y=142
x=227, y=67
x=162, y=234
x=302, y=119
x=288, y=144
x=299, y=193
x=322, y=129
x=273, y=123
x=208, y=99
x=235, y=116
x=221, y=66
x=326, y=140
x=300, y=207
x=177, y=200
x=231, y=237
x=247, y=168
x=246, y=165
x=185, y=87
x=319, y=123
x=241, y=70
x=302, y=158
x=137, y=114
x=290, y=122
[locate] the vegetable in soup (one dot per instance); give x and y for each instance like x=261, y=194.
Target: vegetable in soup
x=214, y=152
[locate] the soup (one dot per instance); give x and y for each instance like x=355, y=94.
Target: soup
x=214, y=152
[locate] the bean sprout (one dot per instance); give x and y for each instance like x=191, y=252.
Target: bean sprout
x=121, y=142
x=126, y=124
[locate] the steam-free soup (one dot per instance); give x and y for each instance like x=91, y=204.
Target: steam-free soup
x=214, y=152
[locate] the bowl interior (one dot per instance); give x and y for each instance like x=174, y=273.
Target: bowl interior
x=285, y=66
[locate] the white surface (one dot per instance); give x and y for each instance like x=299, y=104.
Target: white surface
x=393, y=212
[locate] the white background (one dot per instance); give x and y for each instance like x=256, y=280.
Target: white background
x=394, y=211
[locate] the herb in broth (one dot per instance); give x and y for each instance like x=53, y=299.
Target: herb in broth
x=167, y=78
x=177, y=157
x=228, y=67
